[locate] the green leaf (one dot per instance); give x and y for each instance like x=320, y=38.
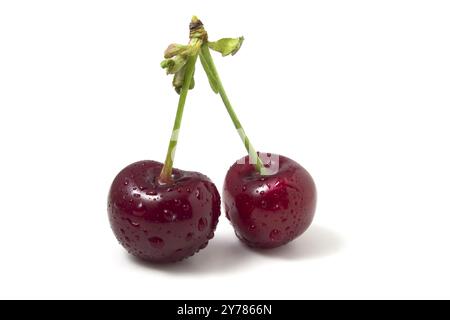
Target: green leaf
x=227, y=46
x=175, y=64
x=179, y=78
x=173, y=50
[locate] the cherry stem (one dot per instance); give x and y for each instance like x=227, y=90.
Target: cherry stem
x=166, y=172
x=211, y=70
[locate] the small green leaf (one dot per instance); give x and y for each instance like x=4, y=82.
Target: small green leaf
x=227, y=46
x=173, y=50
x=175, y=64
x=166, y=63
x=178, y=80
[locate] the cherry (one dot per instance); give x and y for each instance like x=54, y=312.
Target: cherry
x=269, y=210
x=268, y=204
x=159, y=213
x=162, y=222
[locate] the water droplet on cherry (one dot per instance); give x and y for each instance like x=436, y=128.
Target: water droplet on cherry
x=202, y=223
x=169, y=215
x=156, y=242
x=133, y=223
x=275, y=235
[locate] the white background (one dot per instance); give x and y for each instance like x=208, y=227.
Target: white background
x=355, y=91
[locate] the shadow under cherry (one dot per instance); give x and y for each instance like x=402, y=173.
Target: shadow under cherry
x=220, y=256
x=228, y=254
x=317, y=242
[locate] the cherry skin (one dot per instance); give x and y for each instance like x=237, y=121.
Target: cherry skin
x=162, y=222
x=271, y=210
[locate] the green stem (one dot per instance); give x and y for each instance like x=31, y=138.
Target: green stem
x=216, y=84
x=166, y=172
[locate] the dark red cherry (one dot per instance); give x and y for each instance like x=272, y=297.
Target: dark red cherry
x=162, y=222
x=269, y=211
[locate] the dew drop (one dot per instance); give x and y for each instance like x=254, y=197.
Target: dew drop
x=202, y=223
x=126, y=183
x=275, y=235
x=151, y=193
x=185, y=207
x=263, y=204
x=244, y=188
x=188, y=190
x=169, y=189
x=134, y=224
x=262, y=193
x=156, y=242
x=197, y=194
x=252, y=227
x=169, y=215
x=177, y=202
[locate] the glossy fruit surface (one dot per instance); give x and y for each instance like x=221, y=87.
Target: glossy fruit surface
x=269, y=211
x=162, y=222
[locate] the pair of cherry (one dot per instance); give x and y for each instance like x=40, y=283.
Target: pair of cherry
x=162, y=214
